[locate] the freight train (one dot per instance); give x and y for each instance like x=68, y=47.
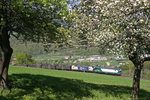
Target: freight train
x=92, y=69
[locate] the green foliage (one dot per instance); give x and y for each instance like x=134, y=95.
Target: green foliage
x=22, y=58
x=36, y=20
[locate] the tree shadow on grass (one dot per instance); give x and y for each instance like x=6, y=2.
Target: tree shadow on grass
x=40, y=87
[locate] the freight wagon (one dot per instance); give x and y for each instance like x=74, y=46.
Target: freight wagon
x=82, y=68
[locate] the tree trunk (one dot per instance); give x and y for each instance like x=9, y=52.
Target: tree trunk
x=136, y=80
x=5, y=56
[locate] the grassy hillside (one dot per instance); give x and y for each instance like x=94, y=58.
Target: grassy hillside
x=43, y=84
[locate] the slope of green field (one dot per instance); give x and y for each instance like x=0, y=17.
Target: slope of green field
x=43, y=84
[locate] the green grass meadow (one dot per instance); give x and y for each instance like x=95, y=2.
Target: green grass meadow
x=43, y=84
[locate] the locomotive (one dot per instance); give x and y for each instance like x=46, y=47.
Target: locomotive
x=103, y=70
